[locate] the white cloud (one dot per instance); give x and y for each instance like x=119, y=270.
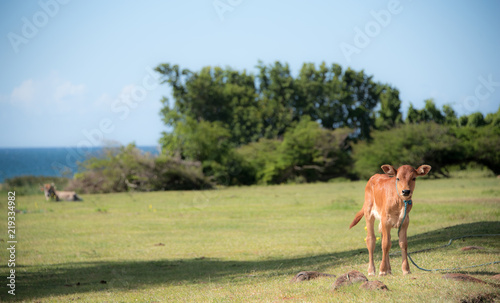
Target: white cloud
x=68, y=89
x=52, y=92
x=24, y=93
x=128, y=89
x=103, y=102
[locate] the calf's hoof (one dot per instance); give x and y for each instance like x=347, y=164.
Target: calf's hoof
x=371, y=270
x=406, y=273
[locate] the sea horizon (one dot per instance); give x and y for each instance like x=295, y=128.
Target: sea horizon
x=50, y=161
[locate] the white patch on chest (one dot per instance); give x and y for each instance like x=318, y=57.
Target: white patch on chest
x=394, y=222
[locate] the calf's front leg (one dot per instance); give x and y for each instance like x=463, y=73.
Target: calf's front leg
x=403, y=244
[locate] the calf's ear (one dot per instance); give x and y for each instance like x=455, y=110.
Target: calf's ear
x=423, y=170
x=389, y=170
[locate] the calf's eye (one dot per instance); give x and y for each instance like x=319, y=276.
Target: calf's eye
x=414, y=179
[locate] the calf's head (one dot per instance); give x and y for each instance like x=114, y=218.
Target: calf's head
x=405, y=178
x=49, y=190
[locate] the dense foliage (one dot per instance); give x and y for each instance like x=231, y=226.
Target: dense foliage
x=232, y=127
x=423, y=140
x=272, y=127
x=414, y=144
x=127, y=168
x=307, y=152
x=266, y=105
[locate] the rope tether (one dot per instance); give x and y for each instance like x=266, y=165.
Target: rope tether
x=409, y=202
x=448, y=244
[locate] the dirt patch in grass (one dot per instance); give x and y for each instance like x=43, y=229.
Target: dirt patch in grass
x=480, y=298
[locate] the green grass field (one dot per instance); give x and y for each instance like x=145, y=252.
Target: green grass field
x=244, y=244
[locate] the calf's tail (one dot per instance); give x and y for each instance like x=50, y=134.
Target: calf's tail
x=358, y=217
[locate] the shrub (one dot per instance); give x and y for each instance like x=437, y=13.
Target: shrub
x=307, y=153
x=482, y=145
x=176, y=174
x=413, y=144
x=261, y=158
x=231, y=169
x=127, y=168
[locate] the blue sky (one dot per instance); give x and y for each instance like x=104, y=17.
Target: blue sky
x=78, y=73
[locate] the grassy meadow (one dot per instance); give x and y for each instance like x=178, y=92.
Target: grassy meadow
x=244, y=244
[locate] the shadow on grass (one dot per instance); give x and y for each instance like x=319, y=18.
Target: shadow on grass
x=80, y=278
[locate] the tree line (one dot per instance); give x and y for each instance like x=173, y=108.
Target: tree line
x=231, y=127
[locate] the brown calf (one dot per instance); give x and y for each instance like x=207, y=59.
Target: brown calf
x=385, y=197
x=51, y=193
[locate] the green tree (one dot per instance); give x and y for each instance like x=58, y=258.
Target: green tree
x=414, y=144
x=264, y=106
x=463, y=120
x=481, y=145
x=308, y=152
x=493, y=118
x=487, y=147
x=413, y=115
x=430, y=113
x=214, y=95
x=216, y=110
x=200, y=141
x=352, y=105
x=389, y=114
x=329, y=95
x=276, y=94
x=262, y=156
x=450, y=116
x=475, y=120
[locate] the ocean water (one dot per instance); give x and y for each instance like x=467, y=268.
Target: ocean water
x=57, y=161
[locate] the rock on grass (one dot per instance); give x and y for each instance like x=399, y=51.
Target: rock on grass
x=355, y=276
x=373, y=285
x=349, y=278
x=471, y=248
x=462, y=277
x=309, y=275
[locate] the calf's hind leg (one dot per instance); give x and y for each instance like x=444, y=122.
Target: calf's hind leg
x=370, y=243
x=385, y=265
